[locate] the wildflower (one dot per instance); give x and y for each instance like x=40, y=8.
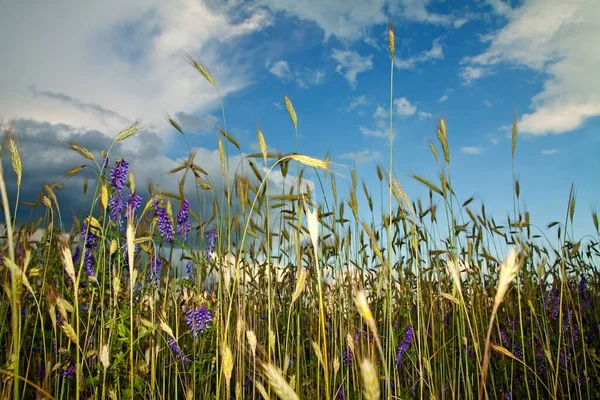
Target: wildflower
x=198, y=320
x=568, y=318
x=77, y=255
x=67, y=372
x=133, y=203
x=118, y=174
x=191, y=270
x=405, y=345
x=165, y=226
x=504, y=337
x=347, y=356
x=174, y=346
x=211, y=241
x=89, y=261
x=518, y=352
x=541, y=361
x=115, y=206
x=154, y=269
x=183, y=220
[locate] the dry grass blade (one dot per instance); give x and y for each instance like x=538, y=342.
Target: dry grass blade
x=230, y=138
x=442, y=135
x=391, y=40
x=85, y=153
x=75, y=170
x=174, y=123
x=513, y=146
x=15, y=159
x=309, y=161
x=429, y=184
x=370, y=380
x=127, y=132
x=291, y=112
x=262, y=144
x=198, y=66
x=278, y=383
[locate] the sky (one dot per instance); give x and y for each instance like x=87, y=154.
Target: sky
x=83, y=71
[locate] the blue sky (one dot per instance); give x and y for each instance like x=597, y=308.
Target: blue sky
x=84, y=71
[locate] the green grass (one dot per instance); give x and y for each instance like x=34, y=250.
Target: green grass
x=284, y=286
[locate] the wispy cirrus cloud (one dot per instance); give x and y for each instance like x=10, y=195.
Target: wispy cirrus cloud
x=549, y=152
x=362, y=157
x=435, y=53
x=474, y=150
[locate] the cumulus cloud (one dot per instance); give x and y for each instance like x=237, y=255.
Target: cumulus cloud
x=350, y=64
x=424, y=115
x=472, y=150
x=404, y=107
x=362, y=157
x=558, y=38
x=107, y=63
x=192, y=123
x=304, y=78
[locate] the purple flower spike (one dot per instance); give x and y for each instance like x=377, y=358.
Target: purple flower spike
x=405, y=345
x=183, y=220
x=165, y=226
x=118, y=174
x=198, y=320
x=211, y=241
x=133, y=203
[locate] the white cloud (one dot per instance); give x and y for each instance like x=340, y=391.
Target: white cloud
x=304, y=78
x=558, y=38
x=443, y=98
x=381, y=113
x=416, y=10
x=363, y=156
x=280, y=69
x=435, y=53
x=404, y=107
x=493, y=139
x=357, y=102
x=347, y=20
x=472, y=150
x=424, y=115
x=550, y=152
x=350, y=64
x=119, y=56
x=470, y=73
x=377, y=133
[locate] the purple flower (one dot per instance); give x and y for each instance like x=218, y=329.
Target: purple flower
x=568, y=318
x=67, y=371
x=504, y=337
x=348, y=356
x=211, y=241
x=541, y=361
x=76, y=256
x=165, y=226
x=89, y=261
x=115, y=207
x=173, y=346
x=198, y=320
x=405, y=345
x=183, y=220
x=133, y=203
x=118, y=174
x=154, y=270
x=191, y=270
x=518, y=352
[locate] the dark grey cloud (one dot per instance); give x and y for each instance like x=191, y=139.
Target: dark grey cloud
x=196, y=124
x=80, y=105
